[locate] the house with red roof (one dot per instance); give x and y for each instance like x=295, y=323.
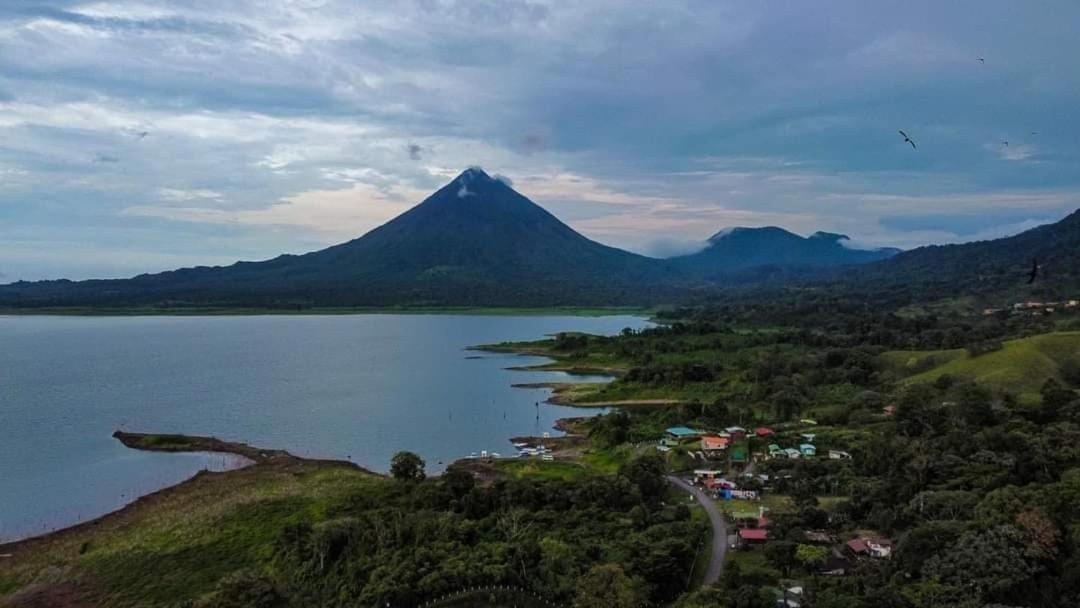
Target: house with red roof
x=713, y=446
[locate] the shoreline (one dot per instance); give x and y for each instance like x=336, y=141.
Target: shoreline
x=257, y=458
x=228, y=311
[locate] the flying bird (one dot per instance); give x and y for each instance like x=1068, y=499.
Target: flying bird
x=1034, y=271
x=981, y=60
x=908, y=140
x=142, y=134
x=1005, y=143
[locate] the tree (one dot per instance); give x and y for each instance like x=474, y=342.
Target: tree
x=811, y=555
x=607, y=586
x=458, y=481
x=781, y=554
x=990, y=562
x=407, y=466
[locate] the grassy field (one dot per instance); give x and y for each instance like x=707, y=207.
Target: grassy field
x=178, y=543
x=1020, y=367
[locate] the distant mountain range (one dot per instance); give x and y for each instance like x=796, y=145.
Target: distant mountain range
x=736, y=249
x=476, y=241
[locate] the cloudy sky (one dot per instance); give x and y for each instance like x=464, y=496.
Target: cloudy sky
x=144, y=135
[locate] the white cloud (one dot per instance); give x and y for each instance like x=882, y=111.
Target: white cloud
x=333, y=214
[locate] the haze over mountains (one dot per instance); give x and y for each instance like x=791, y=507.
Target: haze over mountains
x=476, y=241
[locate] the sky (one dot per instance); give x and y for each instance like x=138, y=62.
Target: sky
x=140, y=136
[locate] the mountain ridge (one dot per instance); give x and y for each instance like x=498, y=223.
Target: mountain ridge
x=477, y=241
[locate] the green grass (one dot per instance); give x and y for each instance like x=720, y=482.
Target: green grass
x=540, y=470
x=753, y=564
x=181, y=543
x=1020, y=367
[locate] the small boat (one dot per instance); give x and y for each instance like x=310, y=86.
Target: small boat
x=519, y=445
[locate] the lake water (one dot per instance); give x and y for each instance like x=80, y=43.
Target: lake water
x=355, y=386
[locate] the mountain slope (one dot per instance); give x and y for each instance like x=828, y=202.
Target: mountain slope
x=474, y=241
x=737, y=249
x=998, y=266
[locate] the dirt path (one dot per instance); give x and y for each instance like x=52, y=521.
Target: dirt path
x=719, y=527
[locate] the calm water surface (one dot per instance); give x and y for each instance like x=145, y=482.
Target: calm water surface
x=356, y=386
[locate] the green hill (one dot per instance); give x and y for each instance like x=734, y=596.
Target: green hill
x=1020, y=367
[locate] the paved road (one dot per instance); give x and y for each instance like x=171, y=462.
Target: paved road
x=719, y=528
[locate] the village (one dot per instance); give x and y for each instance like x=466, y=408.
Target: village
x=729, y=471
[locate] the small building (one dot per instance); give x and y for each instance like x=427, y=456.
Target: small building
x=860, y=546
x=702, y=474
x=775, y=451
x=839, y=455
x=792, y=453
x=809, y=421
x=682, y=433
x=808, y=450
x=713, y=446
x=752, y=536
x=764, y=431
x=818, y=537
x=738, y=454
x=808, y=437
x=880, y=548
x=735, y=432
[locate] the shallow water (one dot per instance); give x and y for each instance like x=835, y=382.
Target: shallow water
x=355, y=386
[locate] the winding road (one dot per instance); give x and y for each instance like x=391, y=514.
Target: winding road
x=719, y=528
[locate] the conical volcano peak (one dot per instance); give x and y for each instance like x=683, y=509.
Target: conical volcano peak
x=472, y=180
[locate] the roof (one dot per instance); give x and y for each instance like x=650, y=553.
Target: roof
x=735, y=429
x=713, y=443
x=806, y=447
x=858, y=545
x=738, y=453
x=763, y=431
x=748, y=534
x=682, y=431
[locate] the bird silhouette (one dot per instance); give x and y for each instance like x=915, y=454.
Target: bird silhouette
x=981, y=60
x=1005, y=143
x=908, y=140
x=1034, y=271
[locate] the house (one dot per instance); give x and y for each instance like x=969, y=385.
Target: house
x=857, y=547
x=879, y=547
x=764, y=431
x=682, y=433
x=808, y=437
x=809, y=421
x=839, y=455
x=703, y=474
x=736, y=432
x=752, y=536
x=713, y=446
x=775, y=451
x=792, y=453
x=808, y=450
x=1072, y=303
x=860, y=546
x=738, y=454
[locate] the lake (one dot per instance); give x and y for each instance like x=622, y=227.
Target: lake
x=360, y=387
